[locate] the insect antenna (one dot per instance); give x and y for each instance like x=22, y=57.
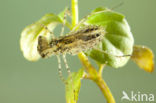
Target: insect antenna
x=117, y=6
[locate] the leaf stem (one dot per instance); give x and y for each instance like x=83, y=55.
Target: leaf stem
x=88, y=66
x=101, y=69
x=105, y=90
x=97, y=77
x=75, y=17
x=93, y=74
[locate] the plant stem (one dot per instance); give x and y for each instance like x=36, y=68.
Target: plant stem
x=97, y=78
x=75, y=16
x=88, y=66
x=105, y=90
x=93, y=74
x=101, y=69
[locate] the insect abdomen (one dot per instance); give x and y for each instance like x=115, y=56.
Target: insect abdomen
x=84, y=39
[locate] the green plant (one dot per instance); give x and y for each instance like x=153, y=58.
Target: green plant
x=117, y=41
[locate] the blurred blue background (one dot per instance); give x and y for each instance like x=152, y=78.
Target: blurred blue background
x=22, y=81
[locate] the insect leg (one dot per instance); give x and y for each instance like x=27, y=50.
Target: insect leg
x=69, y=72
x=64, y=21
x=66, y=64
x=46, y=28
x=60, y=70
x=85, y=18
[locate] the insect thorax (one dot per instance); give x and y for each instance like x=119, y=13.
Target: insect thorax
x=81, y=40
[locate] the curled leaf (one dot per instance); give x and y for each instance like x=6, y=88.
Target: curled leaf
x=117, y=42
x=29, y=36
x=73, y=86
x=143, y=57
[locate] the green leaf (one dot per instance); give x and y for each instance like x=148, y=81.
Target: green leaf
x=73, y=86
x=29, y=36
x=118, y=40
x=143, y=57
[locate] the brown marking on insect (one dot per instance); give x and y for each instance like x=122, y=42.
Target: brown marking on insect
x=81, y=40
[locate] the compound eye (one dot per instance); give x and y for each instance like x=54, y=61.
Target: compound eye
x=97, y=35
x=53, y=42
x=51, y=45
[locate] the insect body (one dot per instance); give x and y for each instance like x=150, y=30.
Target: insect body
x=78, y=41
x=75, y=42
x=81, y=40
